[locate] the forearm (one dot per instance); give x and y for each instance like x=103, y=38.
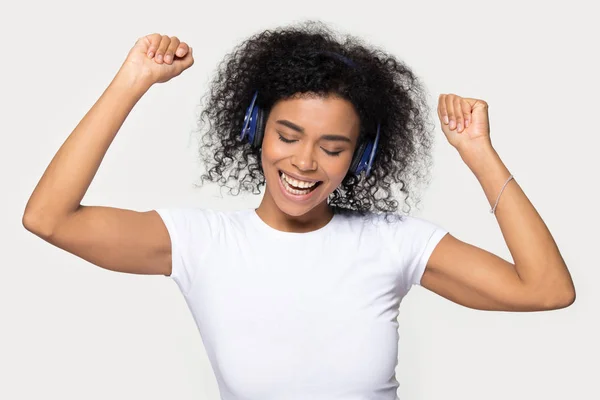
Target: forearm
x=69, y=174
x=536, y=256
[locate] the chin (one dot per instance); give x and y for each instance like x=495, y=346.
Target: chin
x=293, y=211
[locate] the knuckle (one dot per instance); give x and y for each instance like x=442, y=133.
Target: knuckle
x=155, y=39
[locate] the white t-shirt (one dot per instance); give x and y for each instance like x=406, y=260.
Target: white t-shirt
x=287, y=315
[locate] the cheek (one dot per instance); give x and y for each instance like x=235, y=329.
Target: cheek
x=341, y=169
x=272, y=154
x=336, y=168
x=273, y=149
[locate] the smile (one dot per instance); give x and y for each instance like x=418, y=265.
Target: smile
x=297, y=187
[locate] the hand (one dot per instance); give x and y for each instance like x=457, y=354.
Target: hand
x=465, y=122
x=157, y=58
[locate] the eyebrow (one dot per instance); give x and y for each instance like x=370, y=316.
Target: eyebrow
x=300, y=129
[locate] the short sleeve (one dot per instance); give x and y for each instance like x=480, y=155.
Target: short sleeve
x=416, y=239
x=192, y=231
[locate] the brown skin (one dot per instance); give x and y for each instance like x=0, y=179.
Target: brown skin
x=307, y=157
x=112, y=238
x=137, y=242
x=538, y=279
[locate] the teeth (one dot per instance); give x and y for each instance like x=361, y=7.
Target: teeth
x=297, y=183
x=291, y=190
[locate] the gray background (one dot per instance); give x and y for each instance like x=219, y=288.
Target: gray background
x=72, y=330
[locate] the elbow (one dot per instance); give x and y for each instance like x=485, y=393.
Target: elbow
x=28, y=222
x=560, y=299
x=35, y=225
x=555, y=291
x=567, y=293
x=569, y=299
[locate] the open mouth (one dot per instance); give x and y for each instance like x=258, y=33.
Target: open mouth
x=297, y=187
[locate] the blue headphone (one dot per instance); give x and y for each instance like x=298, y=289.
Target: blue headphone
x=254, y=128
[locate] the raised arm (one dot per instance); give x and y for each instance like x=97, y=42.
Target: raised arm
x=538, y=279
x=116, y=239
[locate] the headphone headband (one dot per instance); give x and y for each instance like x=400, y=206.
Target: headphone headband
x=340, y=57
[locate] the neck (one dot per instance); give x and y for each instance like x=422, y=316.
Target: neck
x=273, y=216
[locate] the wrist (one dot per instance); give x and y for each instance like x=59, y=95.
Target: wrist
x=481, y=160
x=477, y=155
x=130, y=81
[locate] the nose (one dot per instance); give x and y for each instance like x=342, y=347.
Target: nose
x=303, y=159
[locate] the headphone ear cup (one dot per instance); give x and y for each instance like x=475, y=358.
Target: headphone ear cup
x=363, y=165
x=260, y=128
x=252, y=125
x=358, y=155
x=249, y=126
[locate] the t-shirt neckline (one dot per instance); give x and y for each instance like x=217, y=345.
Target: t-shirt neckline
x=263, y=226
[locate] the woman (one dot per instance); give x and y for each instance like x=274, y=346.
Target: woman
x=299, y=298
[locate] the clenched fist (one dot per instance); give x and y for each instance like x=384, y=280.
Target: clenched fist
x=157, y=58
x=465, y=122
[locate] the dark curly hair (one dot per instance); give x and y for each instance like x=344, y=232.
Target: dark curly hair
x=292, y=61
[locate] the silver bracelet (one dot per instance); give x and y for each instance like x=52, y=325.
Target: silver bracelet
x=493, y=210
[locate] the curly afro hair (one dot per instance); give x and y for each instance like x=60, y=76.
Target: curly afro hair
x=293, y=61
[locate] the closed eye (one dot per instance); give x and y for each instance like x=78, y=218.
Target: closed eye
x=284, y=139
x=330, y=153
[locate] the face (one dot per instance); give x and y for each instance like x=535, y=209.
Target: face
x=307, y=149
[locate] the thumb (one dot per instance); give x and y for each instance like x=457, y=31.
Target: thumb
x=187, y=61
x=179, y=65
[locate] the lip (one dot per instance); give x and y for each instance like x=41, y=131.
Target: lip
x=296, y=197
x=299, y=177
